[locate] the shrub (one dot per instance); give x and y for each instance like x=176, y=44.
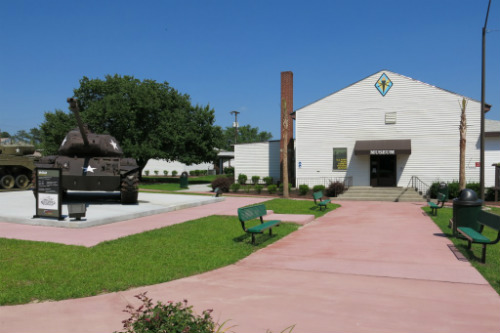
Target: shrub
x=146, y=172
x=170, y=317
x=272, y=189
x=242, y=179
x=156, y=172
x=334, y=189
x=223, y=183
x=268, y=180
x=191, y=173
x=174, y=173
x=303, y=189
x=453, y=189
x=165, y=172
x=317, y=188
x=229, y=170
x=258, y=188
x=255, y=179
x=247, y=188
x=235, y=187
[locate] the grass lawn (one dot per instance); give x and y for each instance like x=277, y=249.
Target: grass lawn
x=490, y=270
x=39, y=271
x=286, y=206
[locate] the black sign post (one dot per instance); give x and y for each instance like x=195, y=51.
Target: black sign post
x=48, y=193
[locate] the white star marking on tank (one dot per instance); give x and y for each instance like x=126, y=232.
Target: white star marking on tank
x=89, y=169
x=114, y=144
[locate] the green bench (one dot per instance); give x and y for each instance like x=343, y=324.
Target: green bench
x=474, y=235
x=441, y=199
x=319, y=201
x=246, y=214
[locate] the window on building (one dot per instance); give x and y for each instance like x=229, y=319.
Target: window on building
x=390, y=118
x=339, y=158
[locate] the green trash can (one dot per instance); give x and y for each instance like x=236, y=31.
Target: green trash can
x=184, y=180
x=465, y=209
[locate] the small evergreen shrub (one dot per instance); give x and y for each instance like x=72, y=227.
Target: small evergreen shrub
x=258, y=188
x=334, y=189
x=242, y=179
x=223, y=183
x=174, y=173
x=165, y=172
x=229, y=170
x=272, y=189
x=247, y=188
x=317, y=188
x=235, y=187
x=303, y=189
x=268, y=180
x=146, y=172
x=255, y=180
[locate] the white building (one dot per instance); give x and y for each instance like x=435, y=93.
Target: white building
x=258, y=159
x=381, y=131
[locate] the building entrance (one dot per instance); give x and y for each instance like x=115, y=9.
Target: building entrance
x=383, y=170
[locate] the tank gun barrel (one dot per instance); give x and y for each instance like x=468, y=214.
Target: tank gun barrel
x=73, y=106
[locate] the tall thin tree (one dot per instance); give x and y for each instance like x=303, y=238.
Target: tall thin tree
x=463, y=135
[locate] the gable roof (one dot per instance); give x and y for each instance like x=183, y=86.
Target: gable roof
x=392, y=73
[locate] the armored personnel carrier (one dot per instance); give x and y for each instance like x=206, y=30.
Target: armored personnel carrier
x=93, y=162
x=17, y=163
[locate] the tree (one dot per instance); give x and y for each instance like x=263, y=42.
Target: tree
x=150, y=119
x=463, y=135
x=54, y=129
x=4, y=135
x=246, y=134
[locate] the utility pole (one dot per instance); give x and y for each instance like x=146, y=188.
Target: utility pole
x=235, y=125
x=483, y=108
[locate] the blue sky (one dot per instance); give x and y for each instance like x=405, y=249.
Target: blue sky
x=229, y=54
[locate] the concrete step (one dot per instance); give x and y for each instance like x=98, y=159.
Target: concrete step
x=367, y=193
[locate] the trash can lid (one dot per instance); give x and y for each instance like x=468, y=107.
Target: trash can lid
x=468, y=197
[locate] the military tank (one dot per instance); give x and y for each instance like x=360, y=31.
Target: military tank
x=93, y=162
x=17, y=163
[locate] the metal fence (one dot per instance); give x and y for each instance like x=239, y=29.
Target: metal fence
x=325, y=181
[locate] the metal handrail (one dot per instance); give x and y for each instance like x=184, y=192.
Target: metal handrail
x=419, y=186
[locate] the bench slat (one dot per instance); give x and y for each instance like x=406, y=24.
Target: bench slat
x=473, y=235
x=264, y=226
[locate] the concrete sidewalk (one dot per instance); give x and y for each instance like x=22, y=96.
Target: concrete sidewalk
x=365, y=267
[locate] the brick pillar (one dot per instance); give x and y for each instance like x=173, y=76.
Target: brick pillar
x=287, y=96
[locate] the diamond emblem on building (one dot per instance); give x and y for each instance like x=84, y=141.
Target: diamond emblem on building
x=383, y=84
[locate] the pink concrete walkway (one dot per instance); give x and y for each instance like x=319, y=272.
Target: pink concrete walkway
x=365, y=267
x=95, y=235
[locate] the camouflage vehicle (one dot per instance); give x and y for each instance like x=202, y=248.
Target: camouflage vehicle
x=17, y=163
x=94, y=162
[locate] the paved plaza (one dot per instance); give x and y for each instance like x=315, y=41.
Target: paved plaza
x=364, y=267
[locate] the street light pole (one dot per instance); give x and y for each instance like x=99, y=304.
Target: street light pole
x=483, y=108
x=235, y=125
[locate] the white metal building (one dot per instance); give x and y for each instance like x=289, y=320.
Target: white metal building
x=385, y=129
x=380, y=131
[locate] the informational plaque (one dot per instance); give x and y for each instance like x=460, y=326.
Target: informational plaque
x=48, y=193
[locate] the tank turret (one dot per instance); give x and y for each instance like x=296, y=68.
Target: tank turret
x=93, y=162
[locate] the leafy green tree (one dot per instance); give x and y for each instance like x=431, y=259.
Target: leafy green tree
x=150, y=119
x=4, y=135
x=246, y=134
x=54, y=129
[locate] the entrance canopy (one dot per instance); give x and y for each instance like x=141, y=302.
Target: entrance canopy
x=382, y=147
